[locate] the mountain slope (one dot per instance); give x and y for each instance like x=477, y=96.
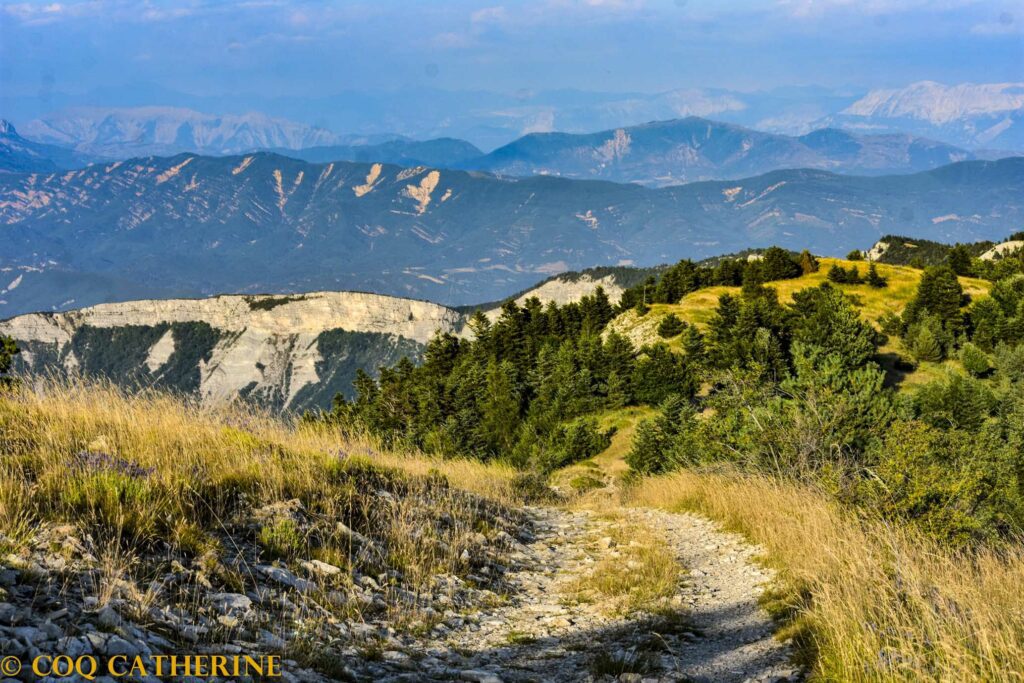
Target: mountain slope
x=989, y=115
x=19, y=155
x=188, y=225
x=684, y=150
x=293, y=352
x=441, y=152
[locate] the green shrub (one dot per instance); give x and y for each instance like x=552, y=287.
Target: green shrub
x=585, y=482
x=955, y=402
x=855, y=255
x=959, y=488
x=532, y=487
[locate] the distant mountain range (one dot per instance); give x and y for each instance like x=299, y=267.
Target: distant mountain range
x=193, y=225
x=117, y=133
x=685, y=150
x=442, y=152
x=655, y=154
x=988, y=115
x=19, y=155
x=969, y=115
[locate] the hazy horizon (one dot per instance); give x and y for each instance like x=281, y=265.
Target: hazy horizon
x=97, y=52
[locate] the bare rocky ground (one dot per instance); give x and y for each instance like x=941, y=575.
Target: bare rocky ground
x=514, y=618
x=717, y=633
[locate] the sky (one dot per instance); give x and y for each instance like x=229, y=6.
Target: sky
x=307, y=49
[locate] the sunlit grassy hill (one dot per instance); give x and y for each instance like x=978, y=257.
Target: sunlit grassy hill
x=698, y=308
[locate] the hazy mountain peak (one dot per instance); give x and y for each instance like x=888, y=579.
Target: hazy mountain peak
x=693, y=148
x=129, y=131
x=938, y=103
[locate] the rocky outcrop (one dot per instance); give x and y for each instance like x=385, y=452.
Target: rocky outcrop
x=270, y=347
x=1002, y=249
x=566, y=289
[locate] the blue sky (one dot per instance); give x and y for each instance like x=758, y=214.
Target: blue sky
x=315, y=48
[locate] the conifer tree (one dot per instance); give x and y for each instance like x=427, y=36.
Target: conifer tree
x=670, y=326
x=874, y=279
x=8, y=349
x=939, y=293
x=837, y=274
x=926, y=345
x=959, y=260
x=808, y=264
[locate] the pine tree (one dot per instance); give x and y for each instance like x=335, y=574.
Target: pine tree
x=499, y=408
x=874, y=279
x=8, y=349
x=777, y=264
x=670, y=326
x=939, y=293
x=615, y=391
x=808, y=264
x=837, y=274
x=693, y=344
x=959, y=260
x=974, y=360
x=925, y=345
x=855, y=255
x=824, y=319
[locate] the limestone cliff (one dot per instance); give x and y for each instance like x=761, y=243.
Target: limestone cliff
x=287, y=352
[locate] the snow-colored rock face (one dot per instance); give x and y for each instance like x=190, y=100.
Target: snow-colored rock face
x=563, y=291
x=267, y=343
x=939, y=104
x=877, y=251
x=95, y=128
x=1003, y=249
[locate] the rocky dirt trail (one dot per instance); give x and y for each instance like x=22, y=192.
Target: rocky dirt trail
x=712, y=630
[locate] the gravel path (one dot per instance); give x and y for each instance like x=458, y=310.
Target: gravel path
x=715, y=630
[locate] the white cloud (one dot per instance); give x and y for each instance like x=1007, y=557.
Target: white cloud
x=452, y=41
x=489, y=15
x=819, y=8
x=1004, y=25
x=32, y=13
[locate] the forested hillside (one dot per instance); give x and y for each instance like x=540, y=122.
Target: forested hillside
x=895, y=388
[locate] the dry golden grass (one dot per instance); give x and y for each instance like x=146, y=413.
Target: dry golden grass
x=873, y=601
x=132, y=470
x=637, y=573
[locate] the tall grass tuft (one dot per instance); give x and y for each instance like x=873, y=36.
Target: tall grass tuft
x=868, y=601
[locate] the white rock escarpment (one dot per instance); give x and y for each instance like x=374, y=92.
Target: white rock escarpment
x=563, y=290
x=267, y=343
